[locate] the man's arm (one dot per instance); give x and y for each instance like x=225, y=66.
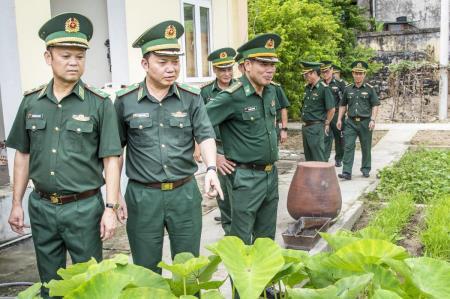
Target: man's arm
x=373, y=117
x=112, y=179
x=342, y=110
x=212, y=184
x=20, y=182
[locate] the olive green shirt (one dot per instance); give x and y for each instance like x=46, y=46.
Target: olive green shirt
x=160, y=135
x=317, y=100
x=66, y=140
x=337, y=88
x=247, y=122
x=282, y=100
x=360, y=101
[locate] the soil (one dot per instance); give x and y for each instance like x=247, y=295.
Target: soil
x=370, y=209
x=432, y=139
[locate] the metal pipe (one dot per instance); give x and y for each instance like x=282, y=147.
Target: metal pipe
x=443, y=61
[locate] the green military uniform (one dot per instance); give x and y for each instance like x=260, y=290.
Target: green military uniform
x=66, y=141
x=359, y=102
x=282, y=103
x=247, y=126
x=221, y=58
x=159, y=135
x=337, y=87
x=317, y=100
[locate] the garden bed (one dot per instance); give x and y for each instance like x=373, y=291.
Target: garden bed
x=431, y=138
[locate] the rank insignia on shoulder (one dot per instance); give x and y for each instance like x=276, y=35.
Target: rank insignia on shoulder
x=141, y=115
x=273, y=103
x=81, y=117
x=250, y=109
x=179, y=114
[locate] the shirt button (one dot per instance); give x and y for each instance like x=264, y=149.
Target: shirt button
x=140, y=127
x=165, y=166
x=56, y=129
x=161, y=125
x=53, y=150
x=59, y=105
x=78, y=130
x=160, y=104
x=52, y=173
x=252, y=118
x=163, y=145
x=33, y=127
x=181, y=125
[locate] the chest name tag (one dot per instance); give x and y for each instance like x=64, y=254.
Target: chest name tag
x=364, y=93
x=249, y=109
x=315, y=94
x=334, y=87
x=141, y=115
x=179, y=114
x=35, y=116
x=81, y=117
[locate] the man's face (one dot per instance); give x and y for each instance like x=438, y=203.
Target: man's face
x=224, y=75
x=67, y=62
x=260, y=72
x=327, y=75
x=311, y=77
x=358, y=77
x=161, y=70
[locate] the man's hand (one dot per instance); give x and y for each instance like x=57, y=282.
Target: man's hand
x=371, y=125
x=212, y=185
x=223, y=165
x=107, y=224
x=16, y=219
x=198, y=153
x=122, y=211
x=283, y=136
x=339, y=125
x=327, y=129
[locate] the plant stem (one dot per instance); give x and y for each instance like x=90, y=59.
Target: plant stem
x=265, y=295
x=279, y=288
x=184, y=285
x=233, y=289
x=275, y=291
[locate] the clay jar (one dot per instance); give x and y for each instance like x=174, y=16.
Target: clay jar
x=314, y=191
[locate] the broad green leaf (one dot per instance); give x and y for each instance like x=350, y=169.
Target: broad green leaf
x=31, y=292
x=188, y=297
x=405, y=274
x=385, y=294
x=294, y=256
x=75, y=269
x=142, y=277
x=374, y=248
x=210, y=285
x=105, y=285
x=206, y=273
x=63, y=287
x=187, y=267
x=337, y=241
x=104, y=266
x=296, y=277
x=146, y=293
x=325, y=293
x=121, y=259
x=321, y=273
x=385, y=278
x=350, y=287
x=351, y=261
x=213, y=294
x=250, y=267
x=178, y=289
x=431, y=276
x=372, y=233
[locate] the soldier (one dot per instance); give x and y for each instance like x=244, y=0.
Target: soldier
x=361, y=102
x=159, y=120
x=337, y=71
x=222, y=61
x=65, y=134
x=246, y=114
x=317, y=112
x=337, y=87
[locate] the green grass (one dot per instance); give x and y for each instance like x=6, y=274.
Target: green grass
x=436, y=236
x=423, y=173
x=393, y=218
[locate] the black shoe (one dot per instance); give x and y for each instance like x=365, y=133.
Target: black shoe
x=366, y=174
x=345, y=176
x=338, y=164
x=218, y=219
x=270, y=293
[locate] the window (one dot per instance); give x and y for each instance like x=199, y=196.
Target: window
x=197, y=24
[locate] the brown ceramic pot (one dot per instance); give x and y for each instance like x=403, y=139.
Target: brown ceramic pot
x=314, y=191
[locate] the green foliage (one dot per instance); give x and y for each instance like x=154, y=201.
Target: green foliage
x=436, y=236
x=311, y=30
x=31, y=292
x=406, y=65
x=393, y=218
x=424, y=173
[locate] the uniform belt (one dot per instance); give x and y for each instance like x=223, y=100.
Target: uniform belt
x=63, y=199
x=314, y=122
x=165, y=186
x=266, y=167
x=358, y=118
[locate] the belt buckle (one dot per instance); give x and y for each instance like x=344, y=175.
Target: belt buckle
x=166, y=186
x=268, y=168
x=55, y=199
x=357, y=118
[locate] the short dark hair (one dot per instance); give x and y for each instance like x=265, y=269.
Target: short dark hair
x=146, y=56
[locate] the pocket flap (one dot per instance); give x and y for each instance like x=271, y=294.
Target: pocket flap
x=251, y=115
x=80, y=126
x=141, y=123
x=35, y=124
x=180, y=122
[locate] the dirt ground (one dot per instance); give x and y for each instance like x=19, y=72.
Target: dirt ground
x=432, y=138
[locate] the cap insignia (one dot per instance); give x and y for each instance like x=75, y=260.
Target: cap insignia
x=72, y=25
x=223, y=55
x=270, y=44
x=171, y=32
x=359, y=65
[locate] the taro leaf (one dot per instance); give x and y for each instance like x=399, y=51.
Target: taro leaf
x=213, y=294
x=206, y=273
x=321, y=274
x=178, y=289
x=120, y=259
x=296, y=277
x=385, y=278
x=404, y=271
x=145, y=292
x=338, y=240
x=63, y=287
x=75, y=269
x=186, y=268
x=104, y=266
x=294, y=256
x=105, y=285
x=210, y=285
x=350, y=287
x=372, y=233
x=188, y=297
x=31, y=292
x=328, y=293
x=431, y=276
x=385, y=294
x=142, y=277
x=250, y=267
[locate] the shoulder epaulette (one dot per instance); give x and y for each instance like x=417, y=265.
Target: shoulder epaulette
x=207, y=83
x=98, y=92
x=275, y=83
x=189, y=88
x=323, y=83
x=28, y=92
x=348, y=84
x=369, y=85
x=235, y=86
x=127, y=90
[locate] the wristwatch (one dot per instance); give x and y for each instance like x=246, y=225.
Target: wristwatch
x=211, y=168
x=284, y=129
x=115, y=206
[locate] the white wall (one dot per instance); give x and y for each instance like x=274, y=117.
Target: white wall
x=97, y=67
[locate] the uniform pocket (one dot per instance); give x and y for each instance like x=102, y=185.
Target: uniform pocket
x=76, y=131
x=140, y=131
x=251, y=115
x=181, y=128
x=36, y=128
